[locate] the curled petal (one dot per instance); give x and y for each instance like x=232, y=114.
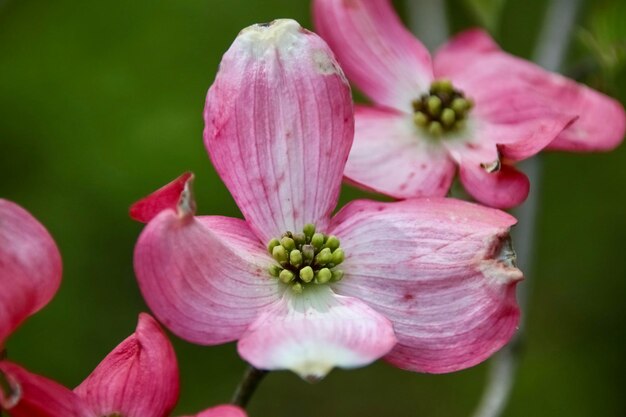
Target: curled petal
x=503, y=188
x=30, y=267
x=205, y=278
x=176, y=195
x=313, y=332
x=278, y=127
x=138, y=378
x=35, y=396
x=222, y=411
x=390, y=157
x=440, y=270
x=374, y=48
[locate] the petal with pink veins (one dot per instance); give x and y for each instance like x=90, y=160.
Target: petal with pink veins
x=509, y=111
x=35, y=396
x=30, y=267
x=222, y=411
x=313, y=332
x=205, y=278
x=377, y=52
x=138, y=378
x=278, y=127
x=390, y=156
x=601, y=121
x=440, y=269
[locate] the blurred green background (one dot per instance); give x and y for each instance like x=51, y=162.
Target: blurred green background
x=101, y=103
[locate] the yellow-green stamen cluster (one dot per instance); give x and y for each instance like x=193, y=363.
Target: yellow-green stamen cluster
x=443, y=109
x=306, y=258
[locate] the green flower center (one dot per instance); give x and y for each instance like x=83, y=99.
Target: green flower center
x=443, y=109
x=306, y=258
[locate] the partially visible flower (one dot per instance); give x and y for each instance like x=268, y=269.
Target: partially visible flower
x=30, y=267
x=473, y=107
x=139, y=378
x=428, y=284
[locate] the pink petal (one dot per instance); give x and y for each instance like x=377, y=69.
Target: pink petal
x=374, y=48
x=389, y=156
x=601, y=122
x=439, y=270
x=456, y=54
x=171, y=196
x=504, y=189
x=36, y=396
x=30, y=267
x=315, y=331
x=222, y=411
x=138, y=378
x=279, y=126
x=205, y=278
x=509, y=111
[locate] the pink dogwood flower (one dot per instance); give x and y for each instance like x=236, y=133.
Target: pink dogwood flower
x=139, y=378
x=427, y=284
x=472, y=106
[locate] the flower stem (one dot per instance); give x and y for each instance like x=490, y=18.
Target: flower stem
x=551, y=48
x=252, y=377
x=427, y=19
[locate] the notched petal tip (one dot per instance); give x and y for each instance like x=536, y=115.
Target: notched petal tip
x=277, y=33
x=177, y=195
x=500, y=264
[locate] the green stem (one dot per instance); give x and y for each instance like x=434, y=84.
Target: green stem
x=252, y=377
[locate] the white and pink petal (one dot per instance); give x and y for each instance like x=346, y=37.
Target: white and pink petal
x=205, y=278
x=379, y=54
x=440, y=269
x=391, y=156
x=279, y=125
x=313, y=332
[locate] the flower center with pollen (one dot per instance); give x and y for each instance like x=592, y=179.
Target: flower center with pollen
x=443, y=109
x=306, y=258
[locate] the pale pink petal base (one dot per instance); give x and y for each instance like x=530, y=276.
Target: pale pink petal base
x=222, y=411
x=388, y=156
x=138, y=378
x=377, y=52
x=440, y=270
x=30, y=267
x=314, y=332
x=205, y=278
x=36, y=396
x=278, y=127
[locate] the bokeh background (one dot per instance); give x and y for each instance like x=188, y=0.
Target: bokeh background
x=101, y=103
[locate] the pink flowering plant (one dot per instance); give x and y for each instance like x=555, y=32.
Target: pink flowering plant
x=471, y=108
x=138, y=379
x=426, y=283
